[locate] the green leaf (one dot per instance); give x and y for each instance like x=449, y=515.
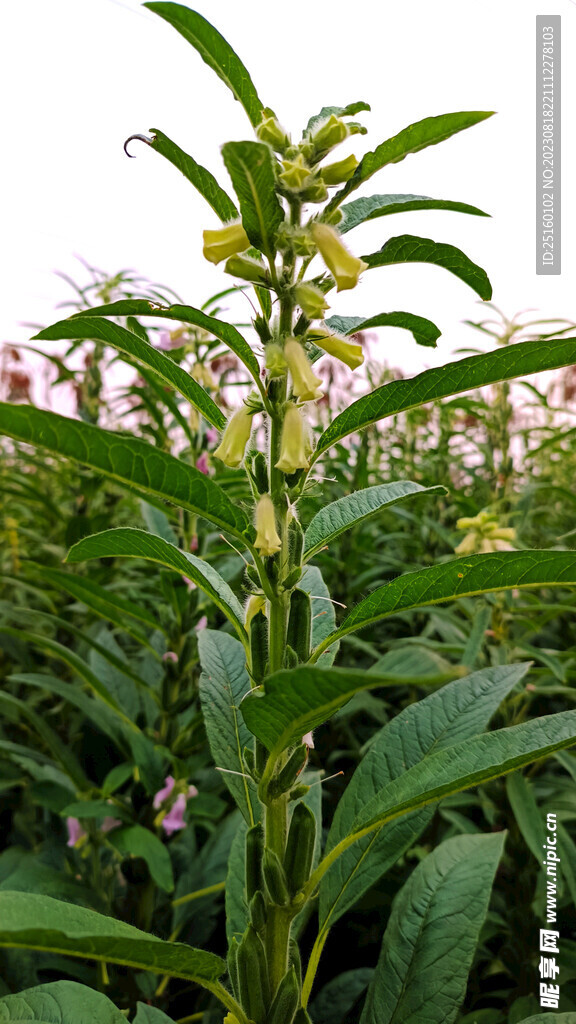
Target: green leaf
x=371, y=207
x=413, y=249
x=551, y=1018
x=432, y=934
x=127, y=542
x=59, y=1002
x=31, y=921
x=322, y=608
x=215, y=52
x=150, y=1015
x=187, y=315
x=250, y=167
x=130, y=344
x=236, y=909
x=460, y=577
x=425, y=332
x=528, y=817
x=340, y=515
x=456, y=712
x=325, y=113
x=337, y=998
x=223, y=683
x=127, y=460
x=203, y=180
x=137, y=841
x=452, y=379
x=412, y=139
x=60, y=751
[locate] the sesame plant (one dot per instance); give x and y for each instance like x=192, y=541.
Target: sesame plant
x=268, y=676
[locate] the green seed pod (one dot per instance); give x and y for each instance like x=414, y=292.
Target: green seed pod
x=286, y=1000
x=295, y=542
x=290, y=772
x=259, y=646
x=257, y=911
x=299, y=624
x=292, y=578
x=254, y=994
x=300, y=847
x=294, y=959
x=275, y=878
x=233, y=965
x=254, y=849
x=261, y=756
x=290, y=658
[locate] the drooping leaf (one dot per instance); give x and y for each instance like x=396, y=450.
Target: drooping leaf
x=423, y=965
x=126, y=460
x=31, y=921
x=129, y=343
x=127, y=542
x=371, y=207
x=442, y=381
x=454, y=713
x=59, y=1002
x=340, y=515
x=461, y=577
x=223, y=683
x=203, y=180
x=413, y=249
x=425, y=332
x=215, y=52
x=137, y=841
x=249, y=165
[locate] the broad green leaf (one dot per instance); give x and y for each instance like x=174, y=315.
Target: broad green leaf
x=340, y=515
x=432, y=934
x=236, y=909
x=59, y=1002
x=146, y=1014
x=454, y=713
x=215, y=52
x=325, y=113
x=206, y=869
x=551, y=1018
x=202, y=179
x=127, y=542
x=250, y=167
x=413, y=249
x=186, y=315
x=415, y=137
x=59, y=750
x=130, y=344
x=425, y=332
x=453, y=379
x=137, y=841
x=460, y=577
x=336, y=999
x=371, y=207
x=31, y=921
x=528, y=817
x=128, y=461
x=223, y=683
x=322, y=608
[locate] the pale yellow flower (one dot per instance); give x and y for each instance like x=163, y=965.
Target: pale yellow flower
x=224, y=242
x=267, y=540
x=304, y=382
x=235, y=438
x=294, y=448
x=344, y=267
x=350, y=352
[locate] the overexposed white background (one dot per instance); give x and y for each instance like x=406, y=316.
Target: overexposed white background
x=79, y=76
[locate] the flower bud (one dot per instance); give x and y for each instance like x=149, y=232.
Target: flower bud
x=267, y=540
x=275, y=362
x=316, y=191
x=344, y=267
x=271, y=131
x=311, y=300
x=230, y=451
x=248, y=269
x=256, y=603
x=293, y=444
x=342, y=170
x=295, y=174
x=224, y=242
x=330, y=134
x=304, y=383
x=204, y=375
x=348, y=351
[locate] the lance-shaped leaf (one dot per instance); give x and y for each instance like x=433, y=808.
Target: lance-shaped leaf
x=60, y=751
x=415, y=137
x=250, y=167
x=423, y=967
x=371, y=207
x=67, y=1002
x=322, y=608
x=130, y=344
x=137, y=841
x=413, y=249
x=186, y=315
x=31, y=921
x=454, y=713
x=451, y=379
x=203, y=180
x=425, y=332
x=215, y=52
x=128, y=461
x=461, y=577
x=126, y=542
x=340, y=515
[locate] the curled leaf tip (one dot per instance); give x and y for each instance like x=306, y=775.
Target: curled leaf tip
x=142, y=138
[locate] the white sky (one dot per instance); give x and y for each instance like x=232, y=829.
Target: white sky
x=79, y=76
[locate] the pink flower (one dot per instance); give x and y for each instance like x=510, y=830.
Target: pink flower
x=75, y=831
x=164, y=340
x=174, y=820
x=202, y=463
x=163, y=794
x=189, y=583
x=201, y=624
x=308, y=740
x=193, y=544
x=170, y=656
x=109, y=823
x=192, y=791
x=212, y=435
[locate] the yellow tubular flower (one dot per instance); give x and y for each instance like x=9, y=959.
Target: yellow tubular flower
x=230, y=451
x=342, y=170
x=224, y=242
x=256, y=603
x=349, y=352
x=293, y=445
x=267, y=540
x=304, y=382
x=344, y=267
x=311, y=300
